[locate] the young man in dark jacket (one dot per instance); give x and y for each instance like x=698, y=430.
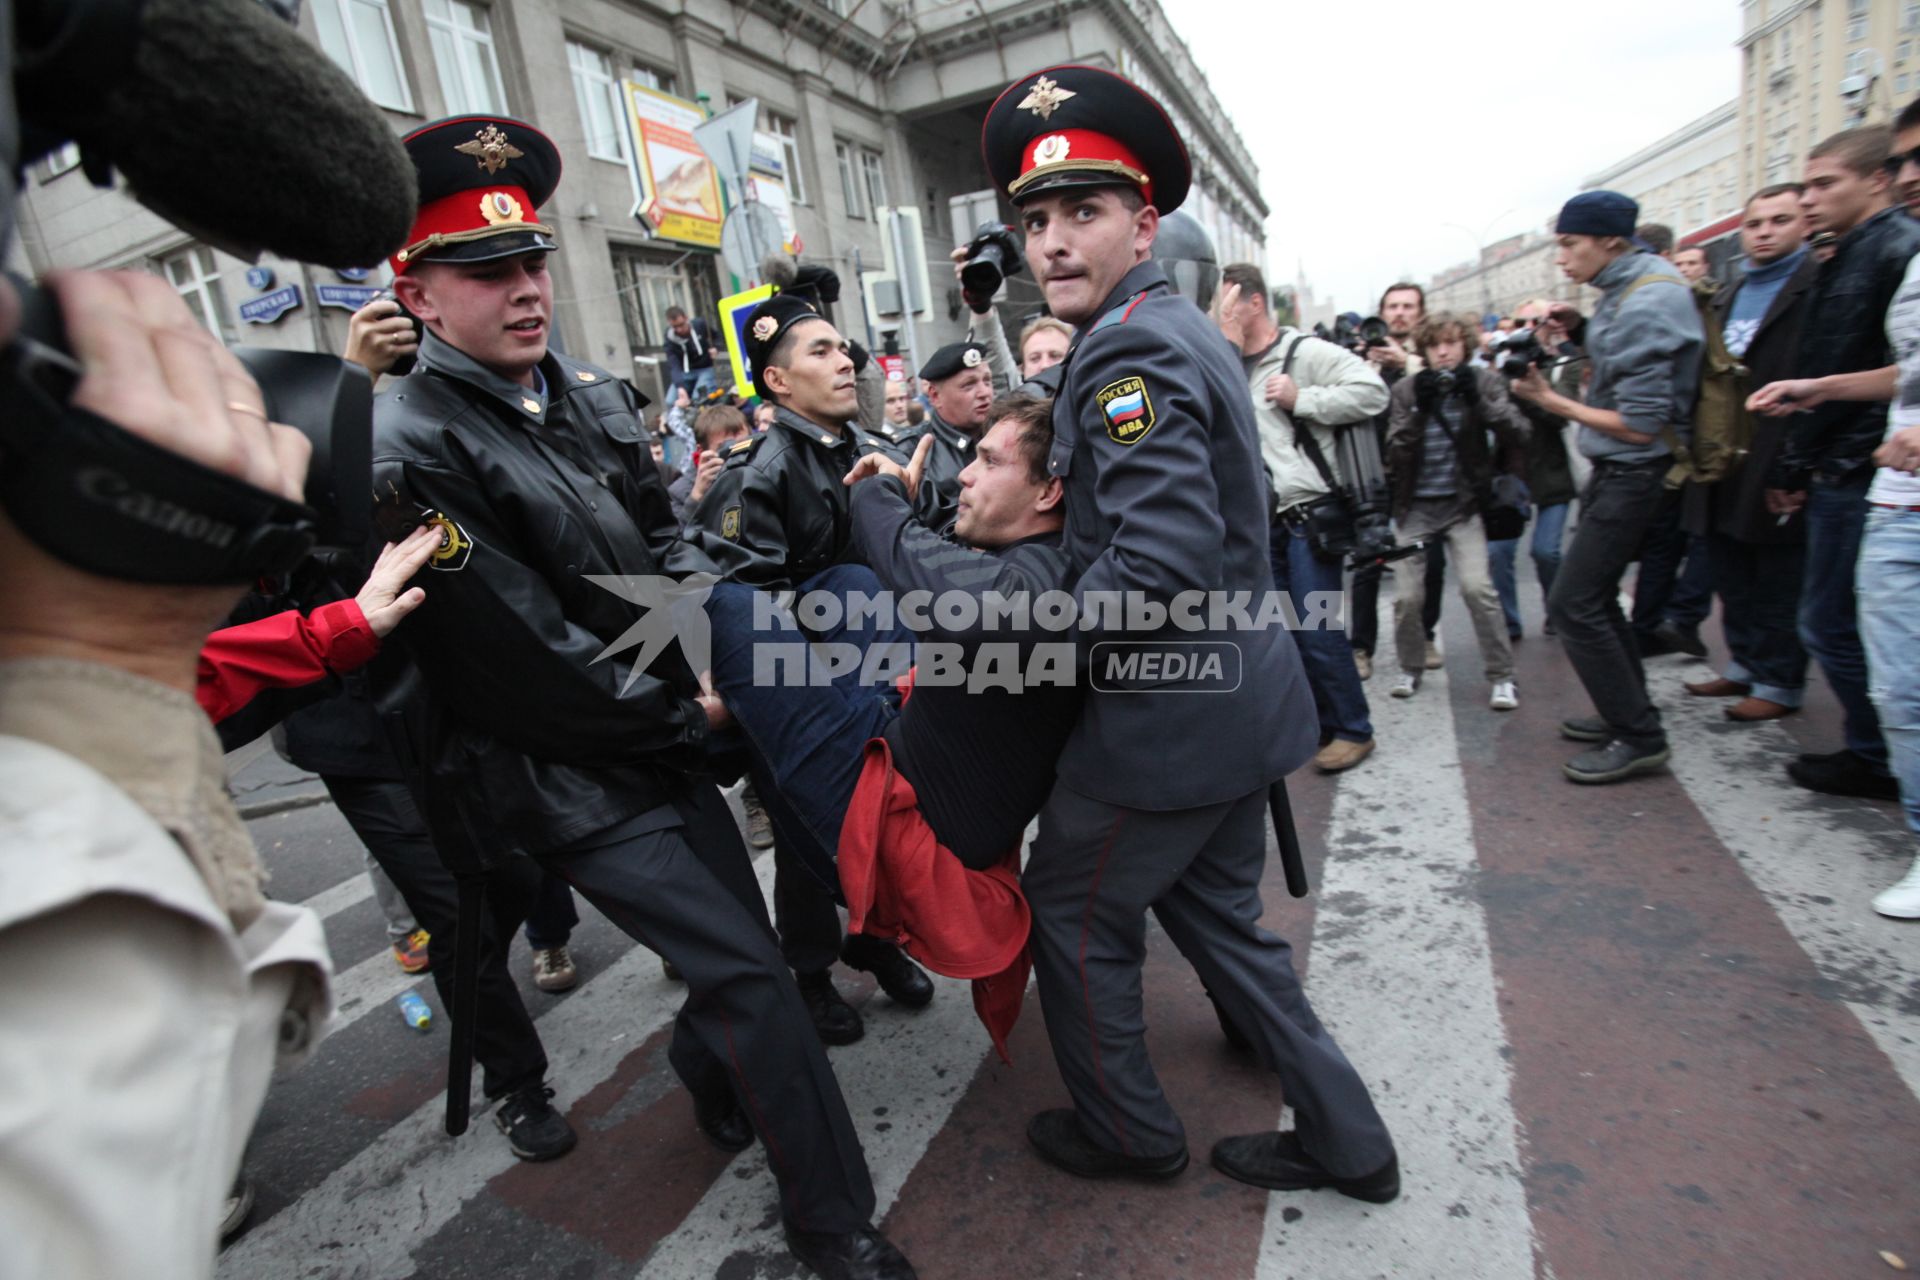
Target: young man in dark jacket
x=1827, y=462
x=1549, y=471
x=1757, y=555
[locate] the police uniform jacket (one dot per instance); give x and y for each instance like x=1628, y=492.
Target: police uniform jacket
x=1166, y=494
x=777, y=514
x=939, y=497
x=547, y=741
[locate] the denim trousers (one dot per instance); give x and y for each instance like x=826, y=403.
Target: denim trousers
x=1760, y=599
x=1621, y=502
x=1889, y=579
x=1549, y=530
x=1324, y=651
x=1836, y=519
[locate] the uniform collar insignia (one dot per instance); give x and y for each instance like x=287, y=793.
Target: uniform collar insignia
x=1045, y=98
x=490, y=149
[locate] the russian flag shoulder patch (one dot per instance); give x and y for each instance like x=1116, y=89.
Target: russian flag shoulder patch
x=1128, y=409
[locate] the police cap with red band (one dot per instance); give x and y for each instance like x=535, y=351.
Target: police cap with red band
x=1074, y=126
x=482, y=182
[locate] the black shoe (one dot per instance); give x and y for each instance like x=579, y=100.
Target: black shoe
x=1618, y=759
x=899, y=977
x=1823, y=757
x=1062, y=1143
x=836, y=1021
x=858, y=1255
x=1586, y=729
x=1681, y=639
x=721, y=1118
x=1847, y=774
x=1236, y=1038
x=1652, y=645
x=1276, y=1161
x=534, y=1129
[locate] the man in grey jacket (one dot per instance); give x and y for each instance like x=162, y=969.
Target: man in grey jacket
x=1644, y=341
x=1300, y=384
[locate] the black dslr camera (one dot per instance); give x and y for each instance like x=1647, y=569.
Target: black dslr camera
x=993, y=254
x=1357, y=335
x=1519, y=351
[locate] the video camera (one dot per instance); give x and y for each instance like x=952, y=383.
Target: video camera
x=1516, y=352
x=993, y=254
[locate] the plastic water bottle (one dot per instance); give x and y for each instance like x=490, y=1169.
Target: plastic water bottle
x=415, y=1011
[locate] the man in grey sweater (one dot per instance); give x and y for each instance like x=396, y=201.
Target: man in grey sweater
x=1644, y=341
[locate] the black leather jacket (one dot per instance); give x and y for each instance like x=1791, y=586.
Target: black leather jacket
x=1845, y=331
x=777, y=514
x=543, y=735
x=939, y=497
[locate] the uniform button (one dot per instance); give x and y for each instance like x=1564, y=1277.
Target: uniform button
x=593, y=506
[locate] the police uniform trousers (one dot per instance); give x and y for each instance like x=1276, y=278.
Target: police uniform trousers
x=678, y=880
x=1095, y=871
x=386, y=818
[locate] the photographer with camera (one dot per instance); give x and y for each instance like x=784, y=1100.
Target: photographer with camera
x=1644, y=341
x=1402, y=307
x=1537, y=343
x=1303, y=389
x=1443, y=492
x=981, y=266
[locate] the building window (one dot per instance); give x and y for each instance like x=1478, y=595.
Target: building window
x=1785, y=46
x=650, y=283
x=358, y=35
x=193, y=273
x=1910, y=16
x=873, y=173
x=598, y=97
x=1857, y=19
x=1857, y=63
x=648, y=78
x=849, y=178
x=788, y=131
x=463, y=53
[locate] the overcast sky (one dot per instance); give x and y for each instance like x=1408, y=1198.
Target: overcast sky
x=1375, y=125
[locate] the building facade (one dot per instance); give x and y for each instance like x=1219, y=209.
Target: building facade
x=1687, y=180
x=869, y=106
x=1507, y=273
x=1810, y=68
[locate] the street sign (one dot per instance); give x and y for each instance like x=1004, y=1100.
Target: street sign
x=269, y=307
x=750, y=233
x=347, y=297
x=728, y=141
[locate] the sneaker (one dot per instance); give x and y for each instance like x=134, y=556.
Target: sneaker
x=1405, y=685
x=1902, y=901
x=1363, y=663
x=1586, y=729
x=1618, y=759
x=759, y=826
x=1504, y=698
x=1436, y=656
x=1342, y=754
x=834, y=1020
x=553, y=969
x=534, y=1129
x=1846, y=774
x=410, y=953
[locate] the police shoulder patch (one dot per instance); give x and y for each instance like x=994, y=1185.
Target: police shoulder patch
x=1127, y=408
x=455, y=547
x=730, y=524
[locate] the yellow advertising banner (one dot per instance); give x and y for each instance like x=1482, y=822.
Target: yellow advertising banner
x=679, y=190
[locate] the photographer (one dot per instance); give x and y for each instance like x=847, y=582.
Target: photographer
x=1442, y=476
x=1303, y=388
x=1644, y=341
x=1402, y=306
x=1549, y=471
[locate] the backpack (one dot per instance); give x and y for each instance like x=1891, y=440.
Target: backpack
x=1722, y=427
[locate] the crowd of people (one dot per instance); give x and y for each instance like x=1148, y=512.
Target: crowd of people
x=1153, y=460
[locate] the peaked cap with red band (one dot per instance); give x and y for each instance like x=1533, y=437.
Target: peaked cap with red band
x=482, y=182
x=1074, y=126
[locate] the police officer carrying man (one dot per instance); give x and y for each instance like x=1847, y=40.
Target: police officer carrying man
x=535, y=469
x=776, y=516
x=959, y=387
x=1162, y=796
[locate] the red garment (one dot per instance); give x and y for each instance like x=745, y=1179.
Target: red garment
x=284, y=651
x=902, y=884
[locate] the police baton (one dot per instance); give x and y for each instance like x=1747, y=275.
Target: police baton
x=1290, y=860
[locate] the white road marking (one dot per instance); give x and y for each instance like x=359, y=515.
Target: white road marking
x=1400, y=948
x=350, y=892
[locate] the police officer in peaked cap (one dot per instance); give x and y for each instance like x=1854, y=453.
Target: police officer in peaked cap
x=1163, y=788
x=541, y=729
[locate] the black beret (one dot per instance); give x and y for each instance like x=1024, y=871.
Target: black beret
x=767, y=325
x=955, y=357
x=1074, y=126
x=482, y=182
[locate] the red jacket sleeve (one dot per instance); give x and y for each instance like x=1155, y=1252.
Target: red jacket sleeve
x=284, y=651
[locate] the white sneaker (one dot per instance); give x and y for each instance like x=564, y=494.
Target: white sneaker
x=1504, y=698
x=1405, y=685
x=1902, y=901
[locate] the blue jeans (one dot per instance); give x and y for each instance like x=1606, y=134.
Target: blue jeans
x=1759, y=597
x=1549, y=529
x=700, y=383
x=811, y=737
x=1836, y=518
x=1675, y=582
x=1324, y=651
x=1889, y=578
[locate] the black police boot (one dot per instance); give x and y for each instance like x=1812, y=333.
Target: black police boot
x=1616, y=760
x=1277, y=1162
x=836, y=1021
x=722, y=1119
x=898, y=976
x=858, y=1255
x=534, y=1129
x=1062, y=1143
x=1844, y=773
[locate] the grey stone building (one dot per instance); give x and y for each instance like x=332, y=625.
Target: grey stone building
x=869, y=104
